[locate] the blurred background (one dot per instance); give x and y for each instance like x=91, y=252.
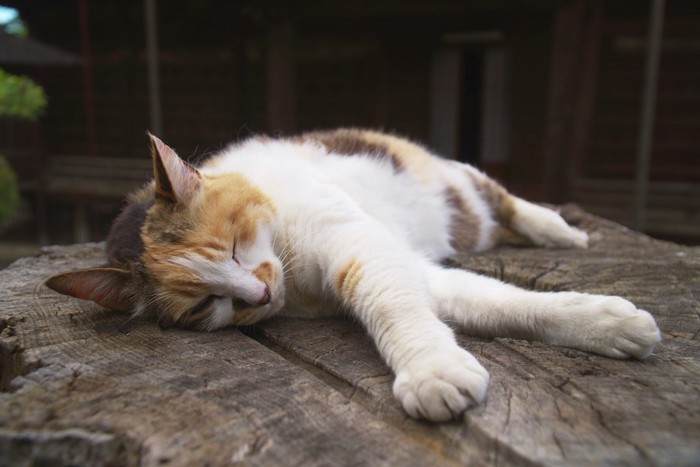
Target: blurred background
x=595, y=102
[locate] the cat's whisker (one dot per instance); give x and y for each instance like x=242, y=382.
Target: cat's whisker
x=290, y=248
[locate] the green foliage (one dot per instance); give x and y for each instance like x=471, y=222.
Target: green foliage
x=9, y=193
x=20, y=97
x=17, y=28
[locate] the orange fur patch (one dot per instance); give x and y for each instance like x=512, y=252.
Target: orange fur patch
x=225, y=214
x=265, y=272
x=347, y=279
x=233, y=208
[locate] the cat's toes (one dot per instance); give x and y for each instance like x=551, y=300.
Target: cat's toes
x=578, y=238
x=441, y=387
x=561, y=236
x=616, y=328
x=634, y=332
x=546, y=228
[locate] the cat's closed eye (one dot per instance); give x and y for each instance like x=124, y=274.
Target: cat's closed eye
x=204, y=305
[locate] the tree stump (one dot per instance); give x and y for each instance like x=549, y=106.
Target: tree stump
x=81, y=388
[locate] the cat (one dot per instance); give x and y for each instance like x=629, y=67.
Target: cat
x=349, y=221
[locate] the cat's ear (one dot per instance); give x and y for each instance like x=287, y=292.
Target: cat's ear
x=176, y=180
x=108, y=287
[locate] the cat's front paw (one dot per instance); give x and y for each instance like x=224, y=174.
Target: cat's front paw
x=441, y=386
x=613, y=327
x=630, y=332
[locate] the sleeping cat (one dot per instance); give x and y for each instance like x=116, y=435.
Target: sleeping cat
x=350, y=221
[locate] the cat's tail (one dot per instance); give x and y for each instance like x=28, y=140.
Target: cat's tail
x=522, y=222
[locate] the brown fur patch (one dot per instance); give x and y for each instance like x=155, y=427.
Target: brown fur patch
x=347, y=279
x=411, y=156
x=353, y=142
x=464, y=225
x=507, y=236
x=495, y=196
x=502, y=204
x=124, y=244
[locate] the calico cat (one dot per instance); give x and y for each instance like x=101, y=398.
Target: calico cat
x=350, y=221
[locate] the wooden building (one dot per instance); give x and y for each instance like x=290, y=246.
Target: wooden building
x=544, y=95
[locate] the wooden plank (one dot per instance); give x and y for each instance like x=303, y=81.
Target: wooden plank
x=316, y=392
x=564, y=73
x=551, y=405
x=93, y=394
x=101, y=177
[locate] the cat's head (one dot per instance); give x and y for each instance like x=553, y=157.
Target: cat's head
x=194, y=249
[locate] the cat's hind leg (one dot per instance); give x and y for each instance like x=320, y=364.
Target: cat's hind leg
x=605, y=325
x=544, y=227
x=519, y=218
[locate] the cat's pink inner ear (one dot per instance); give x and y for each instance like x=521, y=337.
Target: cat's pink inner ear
x=176, y=180
x=107, y=287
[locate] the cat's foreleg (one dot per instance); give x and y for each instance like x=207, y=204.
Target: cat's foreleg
x=484, y=306
x=383, y=285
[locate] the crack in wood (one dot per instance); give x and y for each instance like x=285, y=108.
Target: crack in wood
x=603, y=423
x=535, y=279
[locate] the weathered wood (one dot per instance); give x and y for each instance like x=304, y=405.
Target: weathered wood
x=79, y=389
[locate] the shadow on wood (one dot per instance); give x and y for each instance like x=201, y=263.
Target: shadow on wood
x=79, y=389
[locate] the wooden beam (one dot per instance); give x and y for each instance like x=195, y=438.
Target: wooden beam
x=281, y=82
x=445, y=84
x=646, y=118
x=88, y=83
x=154, y=102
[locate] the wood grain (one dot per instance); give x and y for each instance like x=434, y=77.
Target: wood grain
x=81, y=388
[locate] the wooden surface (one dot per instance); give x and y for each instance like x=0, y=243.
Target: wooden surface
x=80, y=388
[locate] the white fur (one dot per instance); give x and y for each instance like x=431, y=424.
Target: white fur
x=545, y=227
x=224, y=278
x=335, y=210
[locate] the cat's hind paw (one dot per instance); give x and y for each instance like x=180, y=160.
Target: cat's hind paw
x=546, y=228
x=442, y=386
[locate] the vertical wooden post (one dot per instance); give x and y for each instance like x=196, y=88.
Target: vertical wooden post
x=587, y=89
x=81, y=222
x=281, y=82
x=573, y=82
x=646, y=119
x=563, y=79
x=88, y=85
x=495, y=112
x=445, y=76
x=154, y=103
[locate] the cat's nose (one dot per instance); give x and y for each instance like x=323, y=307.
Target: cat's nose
x=266, y=297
